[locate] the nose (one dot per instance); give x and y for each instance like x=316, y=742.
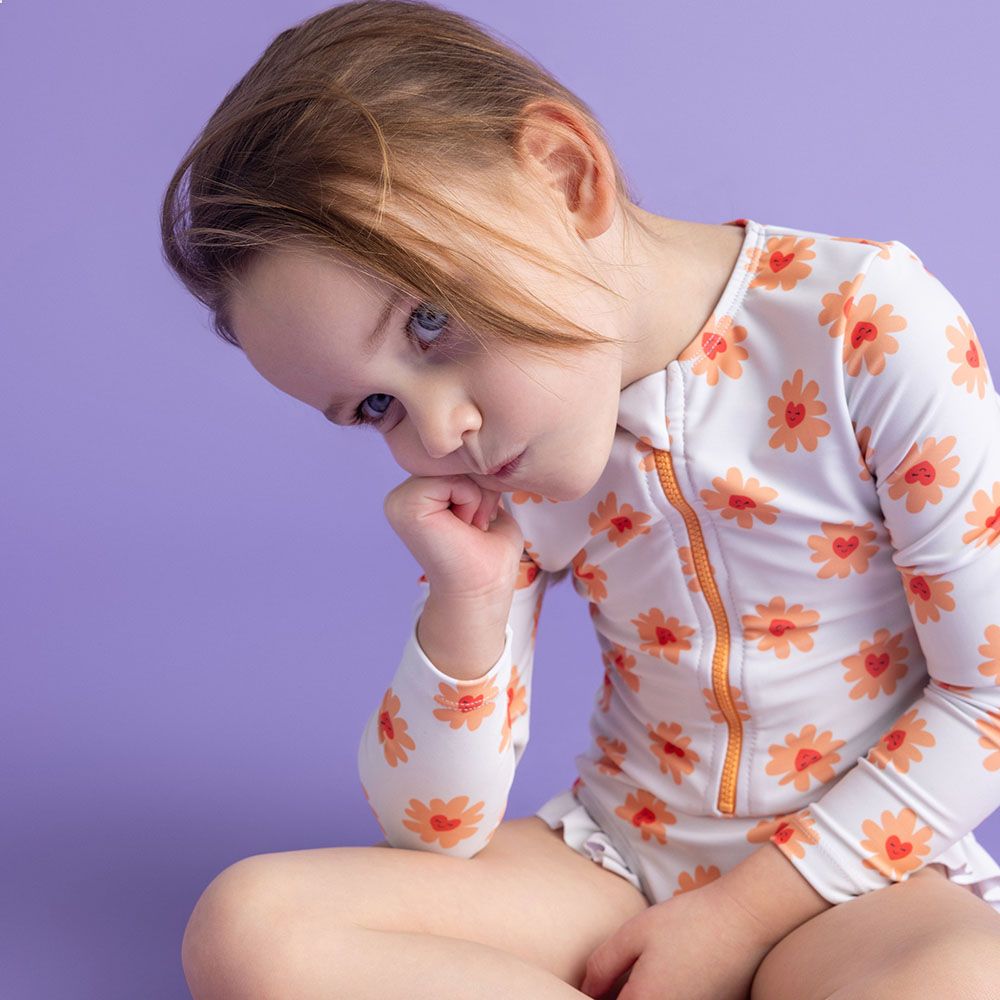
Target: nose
x=444, y=425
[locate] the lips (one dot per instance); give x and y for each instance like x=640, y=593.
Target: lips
x=503, y=466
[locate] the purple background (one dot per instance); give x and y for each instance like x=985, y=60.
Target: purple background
x=202, y=602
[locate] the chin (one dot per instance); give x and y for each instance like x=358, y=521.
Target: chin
x=565, y=489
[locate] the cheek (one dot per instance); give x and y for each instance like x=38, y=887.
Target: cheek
x=405, y=447
x=400, y=448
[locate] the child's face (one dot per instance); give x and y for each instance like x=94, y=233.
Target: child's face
x=448, y=405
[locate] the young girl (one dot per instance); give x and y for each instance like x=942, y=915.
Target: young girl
x=769, y=460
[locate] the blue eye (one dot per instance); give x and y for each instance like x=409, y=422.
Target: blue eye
x=431, y=321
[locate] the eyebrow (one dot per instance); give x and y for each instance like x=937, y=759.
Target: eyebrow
x=371, y=346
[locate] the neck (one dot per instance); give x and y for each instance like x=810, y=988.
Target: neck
x=679, y=271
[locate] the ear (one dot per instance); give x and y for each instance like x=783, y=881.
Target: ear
x=556, y=145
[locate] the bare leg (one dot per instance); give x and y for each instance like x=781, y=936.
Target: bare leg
x=519, y=919
x=373, y=965
x=925, y=937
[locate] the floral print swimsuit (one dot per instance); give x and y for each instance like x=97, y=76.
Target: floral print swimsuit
x=792, y=566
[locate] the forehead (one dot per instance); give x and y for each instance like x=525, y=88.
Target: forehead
x=295, y=284
x=303, y=316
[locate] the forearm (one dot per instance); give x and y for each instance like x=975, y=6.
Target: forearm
x=770, y=887
x=437, y=756
x=463, y=639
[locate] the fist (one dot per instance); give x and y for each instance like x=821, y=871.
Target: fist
x=460, y=533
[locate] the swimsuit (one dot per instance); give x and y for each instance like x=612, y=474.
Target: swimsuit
x=792, y=565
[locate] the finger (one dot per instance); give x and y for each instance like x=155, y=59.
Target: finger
x=465, y=499
x=607, y=962
x=484, y=515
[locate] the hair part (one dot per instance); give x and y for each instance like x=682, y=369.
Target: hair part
x=361, y=109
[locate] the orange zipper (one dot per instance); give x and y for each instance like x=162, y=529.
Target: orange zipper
x=720, y=658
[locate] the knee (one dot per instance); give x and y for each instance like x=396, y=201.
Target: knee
x=966, y=965
x=235, y=932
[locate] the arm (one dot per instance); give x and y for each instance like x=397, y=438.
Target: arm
x=437, y=757
x=776, y=895
x=917, y=382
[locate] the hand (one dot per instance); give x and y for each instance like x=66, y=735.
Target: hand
x=467, y=543
x=700, y=945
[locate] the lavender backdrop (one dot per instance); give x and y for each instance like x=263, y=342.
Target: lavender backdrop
x=201, y=600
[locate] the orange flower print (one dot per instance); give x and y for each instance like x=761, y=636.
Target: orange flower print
x=900, y=746
x=842, y=548
x=767, y=829
x=796, y=415
x=777, y=627
x=702, y=876
x=804, y=758
x=712, y=703
x=614, y=754
x=926, y=594
x=967, y=354
x=672, y=750
x=990, y=739
x=604, y=696
x=647, y=814
x=517, y=704
x=991, y=650
x=782, y=262
x=867, y=331
x=794, y=830
x=466, y=703
x=897, y=845
x=924, y=471
x=883, y=253
x=877, y=665
x=588, y=578
x=717, y=349
x=645, y=448
x=688, y=568
x=523, y=496
x=739, y=501
x=537, y=615
x=623, y=661
x=527, y=569
x=866, y=457
x=392, y=732
x=665, y=637
x=447, y=823
x=984, y=517
x=621, y=523
x=834, y=311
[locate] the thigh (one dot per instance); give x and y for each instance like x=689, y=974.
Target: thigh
x=527, y=892
x=927, y=918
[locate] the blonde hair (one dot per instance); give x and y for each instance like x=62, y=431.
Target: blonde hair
x=359, y=102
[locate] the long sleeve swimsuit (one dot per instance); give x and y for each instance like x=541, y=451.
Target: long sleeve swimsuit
x=792, y=566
